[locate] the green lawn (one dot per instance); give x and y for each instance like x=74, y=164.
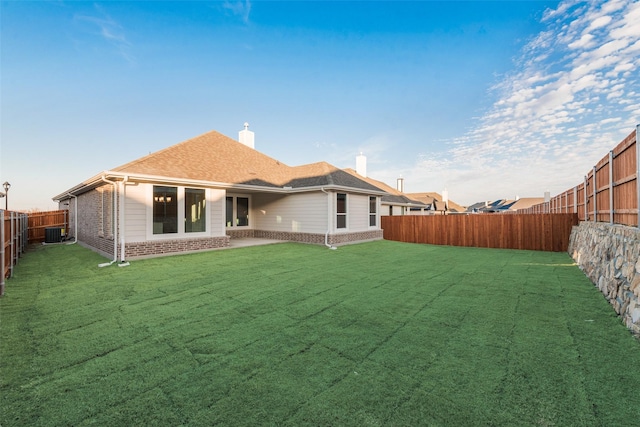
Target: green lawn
x=382, y=333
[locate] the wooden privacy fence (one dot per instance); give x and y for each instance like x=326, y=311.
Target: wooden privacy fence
x=610, y=189
x=13, y=238
x=539, y=232
x=18, y=229
x=40, y=221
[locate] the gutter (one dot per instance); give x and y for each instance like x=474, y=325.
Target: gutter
x=94, y=181
x=329, y=215
x=75, y=220
x=121, y=217
x=114, y=224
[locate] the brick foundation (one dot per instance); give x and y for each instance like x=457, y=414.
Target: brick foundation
x=333, y=239
x=241, y=234
x=162, y=247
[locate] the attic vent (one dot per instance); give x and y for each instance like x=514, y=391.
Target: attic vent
x=246, y=137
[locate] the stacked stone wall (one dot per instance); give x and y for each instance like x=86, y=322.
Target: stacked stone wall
x=610, y=256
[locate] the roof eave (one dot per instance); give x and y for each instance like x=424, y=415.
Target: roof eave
x=112, y=175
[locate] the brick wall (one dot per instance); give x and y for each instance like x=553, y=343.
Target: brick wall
x=241, y=234
x=334, y=239
x=161, y=247
x=95, y=227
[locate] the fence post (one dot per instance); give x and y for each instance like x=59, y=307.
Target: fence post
x=586, y=199
x=19, y=236
x=611, y=212
x=12, y=244
x=638, y=172
x=2, y=252
x=25, y=232
x=595, y=196
x=575, y=199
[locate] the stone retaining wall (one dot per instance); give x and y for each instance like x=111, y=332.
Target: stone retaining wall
x=610, y=256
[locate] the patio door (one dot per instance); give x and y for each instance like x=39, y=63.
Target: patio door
x=237, y=211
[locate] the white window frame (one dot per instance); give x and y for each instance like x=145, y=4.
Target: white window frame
x=376, y=213
x=345, y=213
x=234, y=226
x=181, y=234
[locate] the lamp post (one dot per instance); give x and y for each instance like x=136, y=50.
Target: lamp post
x=6, y=187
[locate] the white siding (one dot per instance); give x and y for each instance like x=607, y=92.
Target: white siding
x=301, y=213
x=357, y=213
x=136, y=213
x=216, y=210
x=139, y=214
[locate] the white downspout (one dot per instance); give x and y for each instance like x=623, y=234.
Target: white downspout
x=75, y=220
x=329, y=215
x=114, y=224
x=123, y=197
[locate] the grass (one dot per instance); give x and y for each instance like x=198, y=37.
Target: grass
x=382, y=333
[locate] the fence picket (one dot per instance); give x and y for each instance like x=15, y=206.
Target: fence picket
x=609, y=192
x=540, y=232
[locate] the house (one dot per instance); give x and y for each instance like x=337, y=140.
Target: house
x=200, y=193
x=394, y=202
x=440, y=204
x=505, y=205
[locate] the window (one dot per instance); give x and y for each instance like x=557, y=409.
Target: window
x=165, y=210
x=194, y=210
x=237, y=211
x=372, y=211
x=341, y=211
x=229, y=211
x=242, y=211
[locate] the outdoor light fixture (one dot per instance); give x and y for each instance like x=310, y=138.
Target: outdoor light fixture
x=6, y=187
x=162, y=199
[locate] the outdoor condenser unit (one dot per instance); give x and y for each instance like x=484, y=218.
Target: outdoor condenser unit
x=53, y=235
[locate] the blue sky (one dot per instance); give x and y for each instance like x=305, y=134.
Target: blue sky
x=486, y=99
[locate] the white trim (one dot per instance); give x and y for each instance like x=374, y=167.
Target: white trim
x=377, y=213
x=170, y=181
x=181, y=234
x=346, y=213
x=235, y=196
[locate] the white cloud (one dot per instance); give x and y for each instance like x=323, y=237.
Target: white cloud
x=599, y=22
x=587, y=40
x=552, y=120
x=110, y=30
x=239, y=8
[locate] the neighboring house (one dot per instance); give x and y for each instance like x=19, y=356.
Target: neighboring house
x=439, y=204
x=395, y=202
x=198, y=194
x=505, y=205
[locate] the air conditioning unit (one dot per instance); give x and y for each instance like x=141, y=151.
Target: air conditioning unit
x=53, y=235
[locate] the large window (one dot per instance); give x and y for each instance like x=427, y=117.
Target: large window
x=195, y=218
x=165, y=210
x=237, y=211
x=341, y=211
x=372, y=211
